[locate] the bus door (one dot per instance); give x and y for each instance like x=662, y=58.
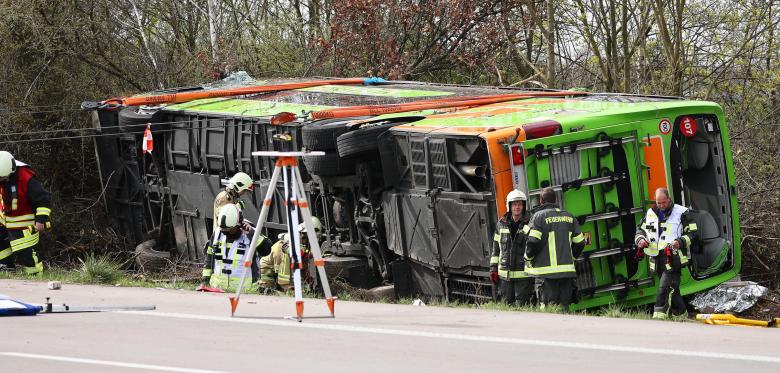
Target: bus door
x=597, y=177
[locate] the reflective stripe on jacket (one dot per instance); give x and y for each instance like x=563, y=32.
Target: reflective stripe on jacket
x=662, y=232
x=508, y=250
x=554, y=240
x=24, y=201
x=226, y=265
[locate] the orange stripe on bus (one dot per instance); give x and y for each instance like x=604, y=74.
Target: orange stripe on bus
x=654, y=159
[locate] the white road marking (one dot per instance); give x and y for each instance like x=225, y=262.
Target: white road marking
x=468, y=337
x=109, y=363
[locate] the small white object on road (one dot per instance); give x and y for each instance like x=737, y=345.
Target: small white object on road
x=418, y=303
x=55, y=285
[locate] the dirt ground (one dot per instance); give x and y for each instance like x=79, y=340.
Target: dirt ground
x=767, y=308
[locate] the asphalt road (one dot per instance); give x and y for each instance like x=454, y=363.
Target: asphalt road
x=193, y=332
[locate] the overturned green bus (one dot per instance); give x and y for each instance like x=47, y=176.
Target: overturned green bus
x=412, y=197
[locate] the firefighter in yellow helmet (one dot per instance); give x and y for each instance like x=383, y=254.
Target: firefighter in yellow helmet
x=238, y=185
x=26, y=209
x=275, y=268
x=227, y=251
x=507, y=265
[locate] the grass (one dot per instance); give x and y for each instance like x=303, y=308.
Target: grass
x=105, y=270
x=622, y=312
x=101, y=270
x=612, y=310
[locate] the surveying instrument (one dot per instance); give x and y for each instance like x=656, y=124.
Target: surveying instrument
x=295, y=202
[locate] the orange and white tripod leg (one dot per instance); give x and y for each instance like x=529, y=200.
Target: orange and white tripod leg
x=269, y=194
x=290, y=196
x=319, y=262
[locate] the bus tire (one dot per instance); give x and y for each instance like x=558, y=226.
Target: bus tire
x=322, y=134
x=363, y=139
x=329, y=164
x=133, y=118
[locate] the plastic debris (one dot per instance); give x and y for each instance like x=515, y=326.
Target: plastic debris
x=418, y=303
x=55, y=285
x=726, y=319
x=238, y=78
x=729, y=297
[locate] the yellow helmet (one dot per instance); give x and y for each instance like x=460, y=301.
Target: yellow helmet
x=315, y=221
x=229, y=216
x=240, y=182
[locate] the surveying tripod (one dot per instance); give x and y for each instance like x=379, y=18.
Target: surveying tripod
x=295, y=202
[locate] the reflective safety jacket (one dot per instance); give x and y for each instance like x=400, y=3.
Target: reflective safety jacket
x=660, y=229
x=24, y=201
x=509, y=249
x=225, y=259
x=554, y=240
x=276, y=267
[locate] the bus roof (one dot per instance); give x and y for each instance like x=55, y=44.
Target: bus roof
x=567, y=111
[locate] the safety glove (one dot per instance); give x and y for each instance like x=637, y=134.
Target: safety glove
x=209, y=289
x=668, y=253
x=640, y=253
x=494, y=277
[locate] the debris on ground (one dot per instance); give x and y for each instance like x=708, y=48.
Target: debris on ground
x=767, y=307
x=55, y=285
x=730, y=297
x=418, y=303
x=375, y=294
x=729, y=319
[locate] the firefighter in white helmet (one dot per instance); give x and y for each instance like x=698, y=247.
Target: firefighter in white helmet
x=275, y=271
x=227, y=251
x=238, y=185
x=26, y=209
x=507, y=266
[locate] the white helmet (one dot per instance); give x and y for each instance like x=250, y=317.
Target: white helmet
x=515, y=195
x=315, y=222
x=229, y=216
x=7, y=163
x=240, y=182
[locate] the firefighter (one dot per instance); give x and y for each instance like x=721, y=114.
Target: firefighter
x=665, y=235
x=554, y=240
x=275, y=268
x=507, y=265
x=238, y=185
x=227, y=251
x=26, y=207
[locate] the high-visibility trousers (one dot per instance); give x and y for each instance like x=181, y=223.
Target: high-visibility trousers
x=22, y=250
